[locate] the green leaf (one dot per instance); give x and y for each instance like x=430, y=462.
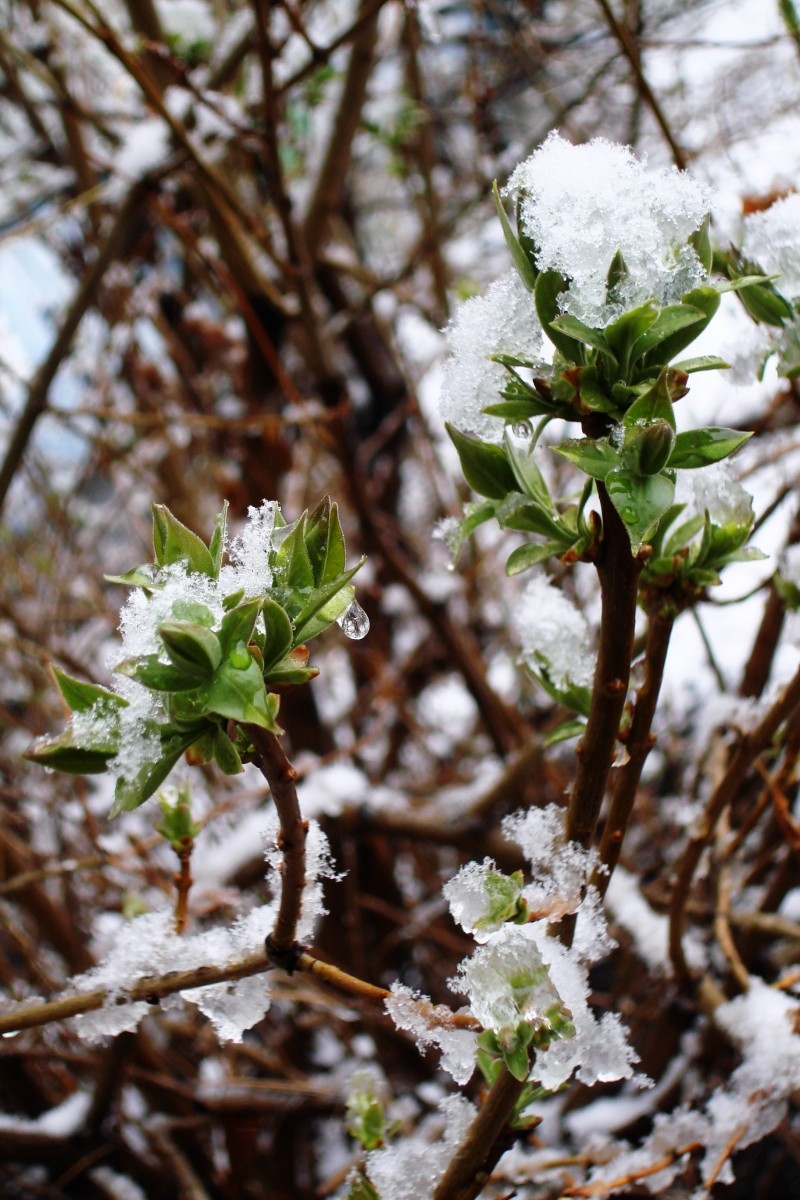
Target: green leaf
x=131, y=793
x=279, y=632
x=287, y=671
x=325, y=542
x=648, y=448
x=584, y=333
x=73, y=754
x=594, y=456
x=226, y=755
x=80, y=696
x=639, y=500
x=517, y=1059
x=137, y=577
x=324, y=606
x=216, y=547
x=528, y=516
x=704, y=362
x=474, y=515
x=549, y=286
x=655, y=404
x=573, y=696
x=760, y=297
x=292, y=561
x=700, y=447
x=523, y=264
x=669, y=321
x=703, y=299
x=192, y=648
x=624, y=333
x=700, y=240
x=238, y=623
x=617, y=274
x=240, y=695
x=485, y=467
x=152, y=673
x=592, y=391
x=683, y=535
x=565, y=731
x=530, y=555
x=174, y=543
x=528, y=476
x=515, y=410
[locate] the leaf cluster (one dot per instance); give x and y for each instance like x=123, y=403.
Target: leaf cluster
x=211, y=677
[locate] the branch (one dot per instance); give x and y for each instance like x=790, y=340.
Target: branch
x=281, y=776
x=618, y=571
x=750, y=747
x=476, y=1157
x=631, y=52
x=638, y=742
x=85, y=296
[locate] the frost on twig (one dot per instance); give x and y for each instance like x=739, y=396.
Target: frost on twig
x=147, y=947
x=521, y=972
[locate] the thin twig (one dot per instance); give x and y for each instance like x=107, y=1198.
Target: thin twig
x=83, y=299
x=748, y=750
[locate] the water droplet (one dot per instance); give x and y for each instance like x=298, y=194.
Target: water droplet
x=629, y=515
x=354, y=622
x=522, y=430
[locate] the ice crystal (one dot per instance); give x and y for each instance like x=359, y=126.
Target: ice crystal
x=506, y=980
x=480, y=897
x=432, y=1026
x=503, y=321
x=582, y=204
x=553, y=635
x=249, y=568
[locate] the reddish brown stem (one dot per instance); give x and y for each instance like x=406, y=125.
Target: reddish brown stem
x=618, y=570
x=476, y=1157
x=281, y=776
x=638, y=743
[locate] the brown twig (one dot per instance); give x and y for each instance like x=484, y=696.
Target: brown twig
x=631, y=52
x=36, y=400
x=468, y=1170
x=750, y=747
x=281, y=777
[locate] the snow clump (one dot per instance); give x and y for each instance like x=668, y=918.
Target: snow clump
x=503, y=321
x=553, y=635
x=583, y=204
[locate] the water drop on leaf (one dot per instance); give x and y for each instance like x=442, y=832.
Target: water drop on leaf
x=522, y=431
x=354, y=622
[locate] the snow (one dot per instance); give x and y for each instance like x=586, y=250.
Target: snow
x=148, y=945
x=554, y=635
x=772, y=242
x=249, y=568
x=411, y=1168
x=418, y=1016
x=582, y=204
x=506, y=980
x=503, y=321
x=63, y=1121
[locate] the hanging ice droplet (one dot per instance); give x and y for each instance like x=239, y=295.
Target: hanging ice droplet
x=354, y=622
x=522, y=431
